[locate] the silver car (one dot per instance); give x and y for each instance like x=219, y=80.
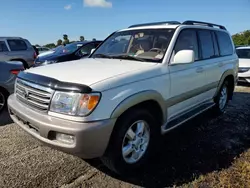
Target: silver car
x=8, y=73
x=17, y=49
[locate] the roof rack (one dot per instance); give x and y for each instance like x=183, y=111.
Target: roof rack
x=192, y=22
x=156, y=23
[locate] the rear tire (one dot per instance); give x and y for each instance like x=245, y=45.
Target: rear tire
x=3, y=99
x=132, y=142
x=222, y=98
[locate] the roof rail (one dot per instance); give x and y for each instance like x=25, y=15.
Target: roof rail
x=156, y=23
x=192, y=22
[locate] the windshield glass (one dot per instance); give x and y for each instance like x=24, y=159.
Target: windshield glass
x=69, y=48
x=243, y=53
x=144, y=44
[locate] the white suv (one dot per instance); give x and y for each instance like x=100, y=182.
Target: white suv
x=137, y=85
x=244, y=63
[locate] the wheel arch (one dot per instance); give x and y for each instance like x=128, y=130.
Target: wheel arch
x=227, y=75
x=143, y=99
x=25, y=64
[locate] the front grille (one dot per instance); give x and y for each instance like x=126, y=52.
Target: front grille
x=33, y=95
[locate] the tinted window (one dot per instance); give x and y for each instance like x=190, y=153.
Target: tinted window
x=17, y=45
x=216, y=47
x=206, y=41
x=187, y=40
x=243, y=53
x=3, y=47
x=225, y=44
x=87, y=48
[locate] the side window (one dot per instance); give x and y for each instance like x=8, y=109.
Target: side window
x=206, y=43
x=187, y=40
x=17, y=45
x=216, y=47
x=87, y=48
x=225, y=44
x=3, y=47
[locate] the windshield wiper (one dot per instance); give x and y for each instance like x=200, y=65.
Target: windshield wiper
x=102, y=56
x=127, y=57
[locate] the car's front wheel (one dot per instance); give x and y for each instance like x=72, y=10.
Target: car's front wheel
x=132, y=142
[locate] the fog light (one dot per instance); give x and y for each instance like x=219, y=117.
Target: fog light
x=65, y=138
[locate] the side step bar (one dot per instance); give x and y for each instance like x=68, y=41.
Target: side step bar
x=185, y=117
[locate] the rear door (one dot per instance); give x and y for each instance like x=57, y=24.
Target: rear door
x=20, y=50
x=210, y=58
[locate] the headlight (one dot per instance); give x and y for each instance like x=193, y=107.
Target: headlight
x=75, y=104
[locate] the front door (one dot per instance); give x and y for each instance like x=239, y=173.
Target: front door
x=187, y=80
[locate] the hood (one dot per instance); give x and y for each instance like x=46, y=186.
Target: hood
x=46, y=53
x=244, y=63
x=89, y=71
x=50, y=56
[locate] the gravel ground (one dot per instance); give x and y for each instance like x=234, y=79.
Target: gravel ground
x=199, y=147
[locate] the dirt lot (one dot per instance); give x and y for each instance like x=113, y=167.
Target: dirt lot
x=205, y=152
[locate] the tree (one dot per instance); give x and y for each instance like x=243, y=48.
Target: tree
x=50, y=45
x=59, y=42
x=94, y=39
x=65, y=39
x=82, y=38
x=242, y=38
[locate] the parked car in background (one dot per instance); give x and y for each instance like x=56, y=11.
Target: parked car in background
x=43, y=49
x=8, y=73
x=17, y=49
x=73, y=51
x=140, y=83
x=244, y=63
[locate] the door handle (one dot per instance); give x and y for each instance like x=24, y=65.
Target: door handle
x=199, y=70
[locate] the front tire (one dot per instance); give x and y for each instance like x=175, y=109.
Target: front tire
x=132, y=142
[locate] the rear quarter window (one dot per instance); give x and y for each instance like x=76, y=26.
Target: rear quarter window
x=225, y=43
x=17, y=45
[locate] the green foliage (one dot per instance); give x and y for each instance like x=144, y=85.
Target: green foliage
x=59, y=42
x=51, y=45
x=66, y=41
x=242, y=38
x=82, y=38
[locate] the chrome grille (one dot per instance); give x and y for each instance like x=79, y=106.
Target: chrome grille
x=33, y=95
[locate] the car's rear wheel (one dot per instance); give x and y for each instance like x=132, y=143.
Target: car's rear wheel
x=3, y=99
x=222, y=98
x=132, y=142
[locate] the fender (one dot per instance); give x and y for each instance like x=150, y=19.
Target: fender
x=225, y=74
x=139, y=98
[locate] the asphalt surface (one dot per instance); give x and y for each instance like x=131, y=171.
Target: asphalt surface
x=203, y=145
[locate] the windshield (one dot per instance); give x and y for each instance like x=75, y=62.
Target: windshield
x=69, y=48
x=144, y=44
x=243, y=53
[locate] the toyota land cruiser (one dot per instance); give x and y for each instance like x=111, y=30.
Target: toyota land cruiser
x=140, y=83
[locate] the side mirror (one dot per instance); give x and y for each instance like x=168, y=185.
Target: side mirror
x=184, y=57
x=92, y=50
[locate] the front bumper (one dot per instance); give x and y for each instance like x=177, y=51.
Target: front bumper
x=91, y=139
x=244, y=77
